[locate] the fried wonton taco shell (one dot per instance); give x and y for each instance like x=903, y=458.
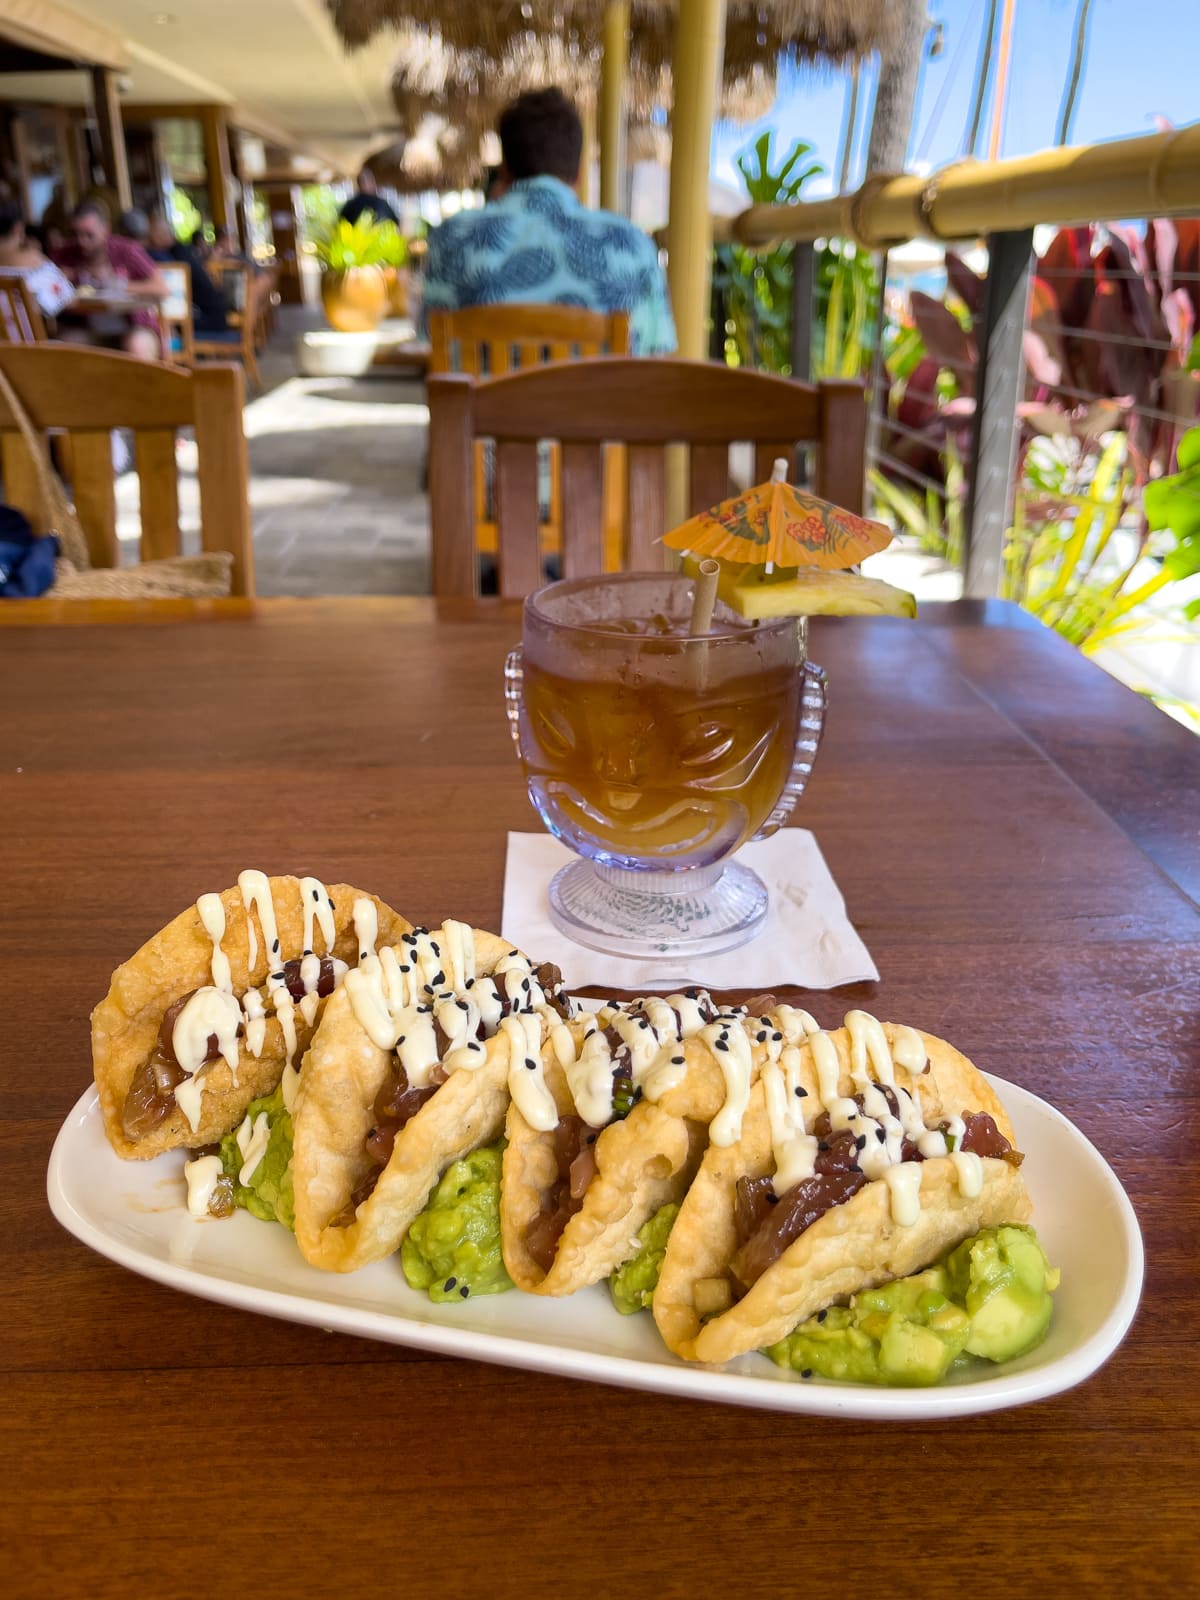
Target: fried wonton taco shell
x=342, y=1074
x=179, y=959
x=853, y=1246
x=643, y=1162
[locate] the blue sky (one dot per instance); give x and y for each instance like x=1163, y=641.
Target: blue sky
x=1142, y=62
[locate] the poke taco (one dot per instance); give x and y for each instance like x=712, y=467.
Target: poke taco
x=218, y=1008
x=866, y=1154
x=412, y=1069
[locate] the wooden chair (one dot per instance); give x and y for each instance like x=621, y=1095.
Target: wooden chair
x=238, y=342
x=487, y=341
x=21, y=320
x=87, y=393
x=176, y=313
x=644, y=404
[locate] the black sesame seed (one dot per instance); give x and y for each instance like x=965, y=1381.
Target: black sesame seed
x=405, y=966
x=807, y=1373
x=677, y=1061
x=880, y=1135
x=401, y=1040
x=470, y=983
x=332, y=907
x=821, y=1315
x=722, y=1044
x=462, y=1005
x=514, y=955
x=777, y=1037
x=307, y=951
x=316, y=896
x=438, y=977
x=801, y=1092
x=275, y=947
x=363, y=954
x=762, y=1038
x=861, y=1142
x=450, y=1282
x=531, y=1063
x=766, y=1021
x=464, y=1291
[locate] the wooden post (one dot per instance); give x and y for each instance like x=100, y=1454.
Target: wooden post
x=107, y=105
x=216, y=162
x=614, y=72
x=997, y=392
x=587, y=160
x=699, y=49
x=804, y=272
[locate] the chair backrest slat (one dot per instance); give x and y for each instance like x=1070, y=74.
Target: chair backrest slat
x=583, y=509
x=22, y=489
x=85, y=395
x=93, y=488
x=21, y=320
x=647, y=506
x=159, y=487
x=519, y=554
x=492, y=340
x=635, y=410
x=708, y=476
x=223, y=470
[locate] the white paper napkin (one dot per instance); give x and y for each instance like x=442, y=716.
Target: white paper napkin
x=806, y=939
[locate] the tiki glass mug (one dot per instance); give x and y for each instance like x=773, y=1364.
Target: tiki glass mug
x=656, y=755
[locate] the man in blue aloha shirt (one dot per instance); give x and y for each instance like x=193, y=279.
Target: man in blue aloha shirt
x=538, y=244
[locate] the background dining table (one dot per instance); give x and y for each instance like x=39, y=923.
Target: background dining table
x=1016, y=836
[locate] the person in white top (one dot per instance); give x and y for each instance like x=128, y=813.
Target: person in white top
x=48, y=284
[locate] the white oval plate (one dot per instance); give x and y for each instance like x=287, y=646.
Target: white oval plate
x=134, y=1213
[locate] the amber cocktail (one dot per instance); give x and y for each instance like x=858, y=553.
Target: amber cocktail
x=655, y=755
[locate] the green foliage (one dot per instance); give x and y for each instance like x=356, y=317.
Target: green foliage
x=847, y=290
x=352, y=244
x=321, y=206
x=393, y=247
x=1059, y=560
x=185, y=217
x=756, y=285
x=934, y=520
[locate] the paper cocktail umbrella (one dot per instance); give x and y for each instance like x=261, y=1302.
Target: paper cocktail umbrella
x=776, y=525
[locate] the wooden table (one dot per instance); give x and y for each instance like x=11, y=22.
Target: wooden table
x=1016, y=836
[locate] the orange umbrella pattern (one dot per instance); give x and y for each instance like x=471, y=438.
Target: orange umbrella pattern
x=777, y=525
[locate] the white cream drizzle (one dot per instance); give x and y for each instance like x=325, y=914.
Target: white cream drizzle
x=252, y=1140
x=211, y=1009
x=526, y=1079
x=730, y=1044
x=202, y=1175
x=402, y=998
x=879, y=1132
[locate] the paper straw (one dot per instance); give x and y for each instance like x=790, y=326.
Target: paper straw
x=705, y=597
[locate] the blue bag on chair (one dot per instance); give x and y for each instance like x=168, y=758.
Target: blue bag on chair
x=26, y=562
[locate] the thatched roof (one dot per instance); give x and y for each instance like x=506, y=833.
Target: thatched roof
x=829, y=30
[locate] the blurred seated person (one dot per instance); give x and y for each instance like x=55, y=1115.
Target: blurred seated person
x=210, y=313
x=225, y=247
x=95, y=259
x=367, y=201
x=537, y=243
x=48, y=285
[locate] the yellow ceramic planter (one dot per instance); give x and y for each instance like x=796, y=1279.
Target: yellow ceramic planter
x=355, y=300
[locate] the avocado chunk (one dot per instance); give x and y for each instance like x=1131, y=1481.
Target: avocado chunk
x=452, y=1249
x=1005, y=1282
x=633, y=1284
x=990, y=1297
x=906, y=1333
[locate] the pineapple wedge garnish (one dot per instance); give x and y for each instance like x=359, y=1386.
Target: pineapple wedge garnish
x=810, y=592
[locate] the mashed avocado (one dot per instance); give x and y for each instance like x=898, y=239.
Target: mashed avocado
x=632, y=1286
x=990, y=1297
x=269, y=1193
x=453, y=1247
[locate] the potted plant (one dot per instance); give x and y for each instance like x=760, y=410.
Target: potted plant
x=354, y=291
x=393, y=249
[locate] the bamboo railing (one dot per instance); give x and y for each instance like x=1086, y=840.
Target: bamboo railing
x=1154, y=176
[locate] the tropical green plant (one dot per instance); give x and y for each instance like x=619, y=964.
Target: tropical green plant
x=352, y=244
x=321, y=206
x=185, y=217
x=934, y=519
x=393, y=247
x=755, y=286
x=844, y=301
